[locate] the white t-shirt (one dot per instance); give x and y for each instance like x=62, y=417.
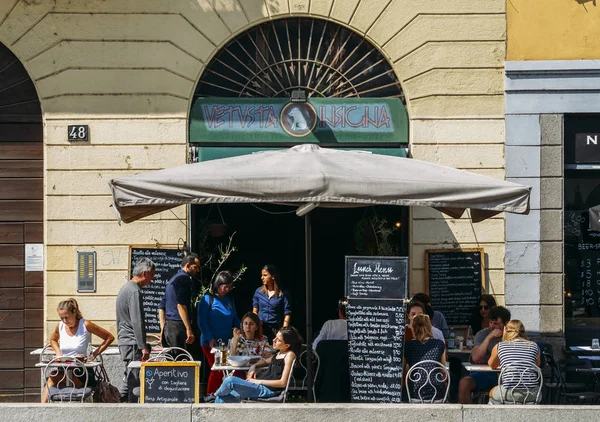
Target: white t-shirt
x=334, y=329
x=73, y=345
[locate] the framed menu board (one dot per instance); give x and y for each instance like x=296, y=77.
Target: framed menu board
x=375, y=349
x=170, y=382
x=454, y=279
x=168, y=262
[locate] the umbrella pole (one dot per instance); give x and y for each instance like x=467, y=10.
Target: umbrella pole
x=308, y=262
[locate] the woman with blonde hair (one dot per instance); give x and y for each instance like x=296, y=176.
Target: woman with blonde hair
x=518, y=352
x=72, y=336
x=424, y=347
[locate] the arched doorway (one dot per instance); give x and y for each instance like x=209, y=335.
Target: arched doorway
x=21, y=224
x=336, y=70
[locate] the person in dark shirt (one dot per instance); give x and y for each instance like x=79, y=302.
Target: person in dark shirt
x=269, y=382
x=485, y=340
x=175, y=308
x=425, y=347
x=480, y=319
x=270, y=303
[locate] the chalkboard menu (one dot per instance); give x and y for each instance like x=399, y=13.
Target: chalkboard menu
x=454, y=278
x=377, y=277
x=168, y=262
x=582, y=263
x=169, y=382
x=375, y=346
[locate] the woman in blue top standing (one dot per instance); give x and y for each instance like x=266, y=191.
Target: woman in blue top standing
x=216, y=318
x=270, y=303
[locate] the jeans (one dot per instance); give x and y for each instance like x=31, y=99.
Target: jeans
x=234, y=390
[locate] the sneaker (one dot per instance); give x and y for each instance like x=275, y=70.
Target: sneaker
x=209, y=399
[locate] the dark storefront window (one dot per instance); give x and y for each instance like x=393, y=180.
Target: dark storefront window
x=582, y=244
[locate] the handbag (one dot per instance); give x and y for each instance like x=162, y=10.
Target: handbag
x=105, y=392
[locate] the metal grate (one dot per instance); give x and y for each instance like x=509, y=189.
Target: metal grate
x=322, y=58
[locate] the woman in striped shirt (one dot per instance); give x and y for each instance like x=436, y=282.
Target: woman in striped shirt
x=518, y=383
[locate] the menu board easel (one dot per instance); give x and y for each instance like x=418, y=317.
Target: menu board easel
x=170, y=382
x=454, y=279
x=168, y=262
x=376, y=287
x=375, y=347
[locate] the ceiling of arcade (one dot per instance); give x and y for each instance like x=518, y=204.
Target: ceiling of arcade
x=114, y=56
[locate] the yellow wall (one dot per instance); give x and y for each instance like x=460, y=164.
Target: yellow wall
x=553, y=29
x=128, y=69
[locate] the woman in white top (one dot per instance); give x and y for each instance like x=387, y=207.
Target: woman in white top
x=72, y=336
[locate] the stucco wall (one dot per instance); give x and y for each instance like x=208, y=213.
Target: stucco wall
x=553, y=29
x=128, y=69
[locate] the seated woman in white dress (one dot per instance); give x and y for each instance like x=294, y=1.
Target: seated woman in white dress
x=72, y=336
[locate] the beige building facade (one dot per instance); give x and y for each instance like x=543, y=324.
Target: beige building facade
x=129, y=69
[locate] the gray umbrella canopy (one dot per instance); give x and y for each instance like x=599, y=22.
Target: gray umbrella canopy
x=327, y=177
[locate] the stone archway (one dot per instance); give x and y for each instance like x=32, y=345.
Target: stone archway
x=21, y=223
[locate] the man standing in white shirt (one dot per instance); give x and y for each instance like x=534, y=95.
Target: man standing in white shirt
x=335, y=329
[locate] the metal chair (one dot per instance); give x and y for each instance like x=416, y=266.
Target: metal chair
x=578, y=383
x=300, y=375
x=70, y=377
x=430, y=380
x=519, y=383
x=172, y=354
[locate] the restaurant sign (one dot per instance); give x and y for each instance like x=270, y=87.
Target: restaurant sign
x=279, y=120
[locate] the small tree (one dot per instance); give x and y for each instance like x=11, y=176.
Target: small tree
x=214, y=261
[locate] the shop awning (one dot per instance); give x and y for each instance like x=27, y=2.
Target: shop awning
x=308, y=174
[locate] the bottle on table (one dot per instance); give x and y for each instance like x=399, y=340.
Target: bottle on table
x=224, y=353
x=470, y=339
x=451, y=337
x=217, y=350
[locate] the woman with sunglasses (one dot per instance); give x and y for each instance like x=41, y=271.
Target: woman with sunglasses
x=480, y=318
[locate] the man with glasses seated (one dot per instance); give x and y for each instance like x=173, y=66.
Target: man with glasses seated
x=485, y=340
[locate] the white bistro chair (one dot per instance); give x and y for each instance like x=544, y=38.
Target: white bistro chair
x=300, y=375
x=519, y=383
x=427, y=381
x=71, y=378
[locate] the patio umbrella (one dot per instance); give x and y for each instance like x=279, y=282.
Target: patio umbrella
x=309, y=176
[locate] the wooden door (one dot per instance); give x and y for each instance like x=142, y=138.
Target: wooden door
x=21, y=223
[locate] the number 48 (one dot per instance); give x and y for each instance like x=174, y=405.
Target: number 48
x=78, y=132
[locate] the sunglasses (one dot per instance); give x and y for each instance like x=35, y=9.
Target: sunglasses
x=484, y=307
